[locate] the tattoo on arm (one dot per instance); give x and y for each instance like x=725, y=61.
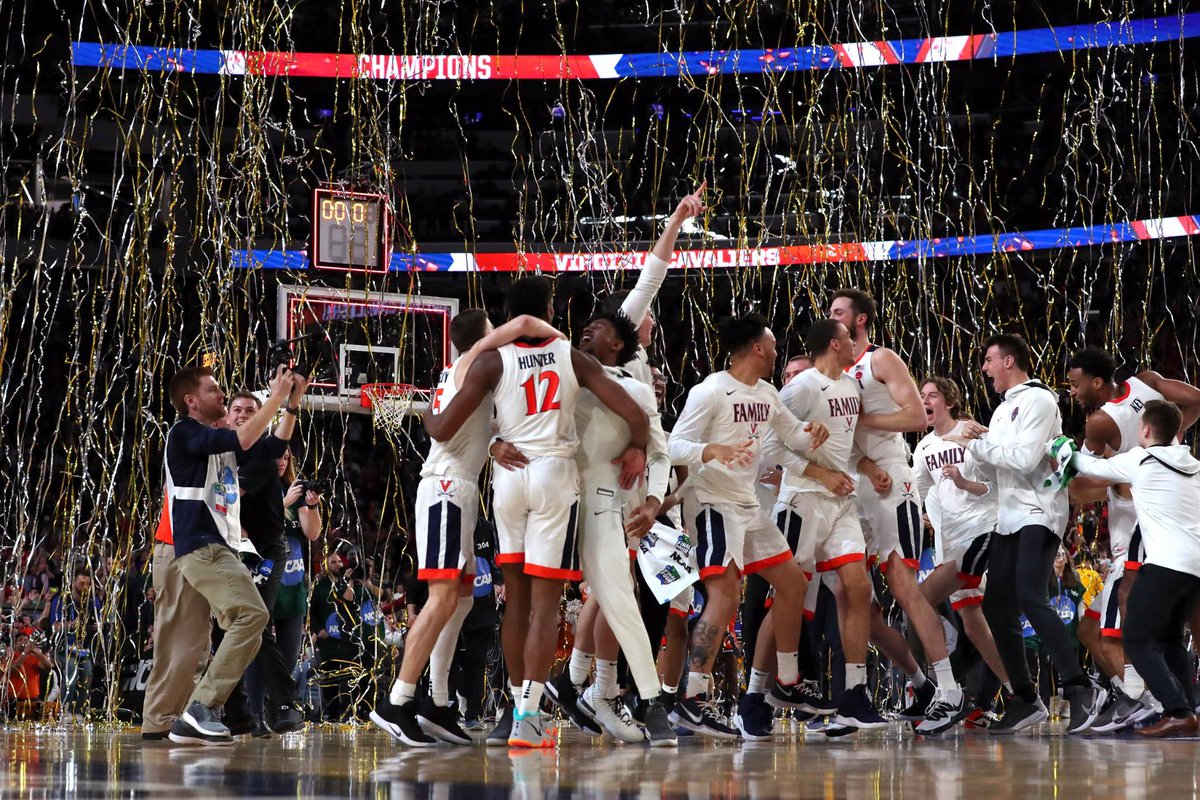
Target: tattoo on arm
x=705, y=641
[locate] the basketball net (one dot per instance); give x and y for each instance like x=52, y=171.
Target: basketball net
x=390, y=403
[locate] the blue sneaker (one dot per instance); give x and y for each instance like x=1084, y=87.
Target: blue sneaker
x=754, y=717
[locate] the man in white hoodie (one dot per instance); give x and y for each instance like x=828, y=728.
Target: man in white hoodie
x=1165, y=480
x=1032, y=517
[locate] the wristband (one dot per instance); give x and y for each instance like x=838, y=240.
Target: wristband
x=295, y=411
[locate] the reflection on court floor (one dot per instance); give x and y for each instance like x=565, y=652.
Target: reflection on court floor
x=100, y=761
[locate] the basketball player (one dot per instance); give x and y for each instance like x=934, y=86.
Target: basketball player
x=961, y=506
x=612, y=339
x=447, y=506
x=719, y=438
x=535, y=385
x=1112, y=428
x=1032, y=515
x=1165, y=482
x=817, y=512
x=891, y=406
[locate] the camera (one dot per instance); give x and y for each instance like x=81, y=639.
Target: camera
x=321, y=486
x=317, y=361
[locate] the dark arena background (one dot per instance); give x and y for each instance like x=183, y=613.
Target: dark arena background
x=196, y=183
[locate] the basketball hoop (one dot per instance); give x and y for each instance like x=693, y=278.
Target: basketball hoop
x=389, y=402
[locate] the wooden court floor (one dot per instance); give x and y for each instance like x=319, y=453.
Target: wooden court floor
x=100, y=761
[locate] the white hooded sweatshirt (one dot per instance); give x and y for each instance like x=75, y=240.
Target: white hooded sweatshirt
x=1015, y=449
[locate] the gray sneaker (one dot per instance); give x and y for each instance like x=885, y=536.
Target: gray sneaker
x=1120, y=713
x=1086, y=703
x=1019, y=715
x=499, y=735
x=199, y=724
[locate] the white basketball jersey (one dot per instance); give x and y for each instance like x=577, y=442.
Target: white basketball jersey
x=836, y=403
x=535, y=399
x=1125, y=410
x=882, y=447
x=464, y=455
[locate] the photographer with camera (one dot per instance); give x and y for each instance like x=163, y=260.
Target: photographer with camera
x=336, y=603
x=23, y=676
x=302, y=524
x=263, y=518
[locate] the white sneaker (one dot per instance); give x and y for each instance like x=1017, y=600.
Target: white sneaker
x=612, y=715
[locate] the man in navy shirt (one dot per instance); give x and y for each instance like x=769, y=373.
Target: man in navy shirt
x=204, y=507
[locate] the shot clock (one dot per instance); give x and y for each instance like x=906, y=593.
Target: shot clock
x=351, y=231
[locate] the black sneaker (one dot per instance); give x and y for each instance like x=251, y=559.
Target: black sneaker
x=857, y=711
x=499, y=735
x=199, y=724
x=566, y=696
x=154, y=736
x=804, y=696
x=654, y=716
x=944, y=712
x=441, y=722
x=698, y=714
x=915, y=711
x=241, y=726
x=1086, y=703
x=400, y=722
x=288, y=718
x=1019, y=715
x=754, y=717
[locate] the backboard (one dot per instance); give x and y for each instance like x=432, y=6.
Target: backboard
x=352, y=338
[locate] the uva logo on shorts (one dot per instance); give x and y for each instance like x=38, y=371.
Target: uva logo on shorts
x=445, y=488
x=907, y=489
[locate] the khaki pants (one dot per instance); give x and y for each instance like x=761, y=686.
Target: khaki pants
x=220, y=578
x=181, y=642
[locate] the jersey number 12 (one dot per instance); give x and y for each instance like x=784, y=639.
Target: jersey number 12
x=549, y=400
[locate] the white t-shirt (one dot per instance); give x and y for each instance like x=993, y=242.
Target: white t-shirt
x=723, y=410
x=813, y=396
x=955, y=513
x=603, y=436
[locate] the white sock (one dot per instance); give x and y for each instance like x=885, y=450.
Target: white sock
x=606, y=678
x=1008, y=687
x=580, y=666
x=787, y=670
x=758, y=681
x=442, y=655
x=856, y=675
x=1134, y=685
x=515, y=688
x=918, y=679
x=670, y=689
x=1119, y=685
x=697, y=684
x=402, y=693
x=531, y=698
x=945, y=675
